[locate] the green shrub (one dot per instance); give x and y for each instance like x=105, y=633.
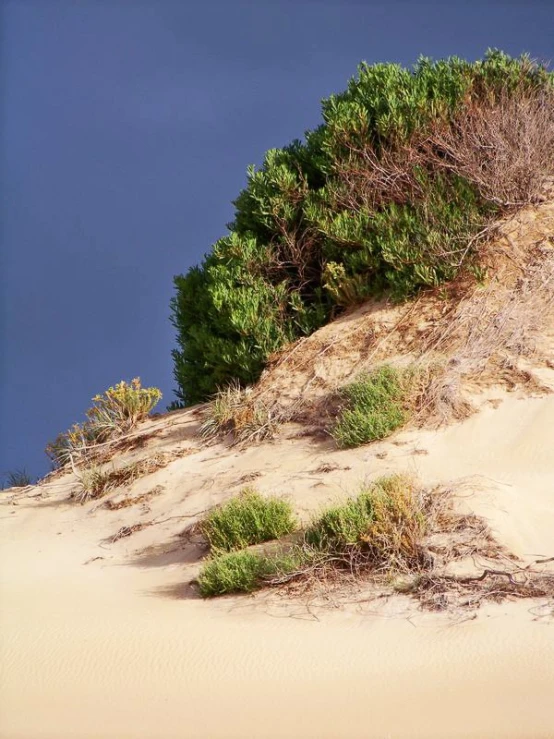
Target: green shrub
x=381, y=530
x=247, y=519
x=382, y=527
x=376, y=199
x=115, y=412
x=374, y=407
x=236, y=572
x=245, y=571
x=342, y=526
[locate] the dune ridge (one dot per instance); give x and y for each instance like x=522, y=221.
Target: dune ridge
x=102, y=630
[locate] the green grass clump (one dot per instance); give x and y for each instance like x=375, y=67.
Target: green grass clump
x=375, y=406
x=247, y=519
x=383, y=526
x=235, y=572
x=246, y=571
x=380, y=530
x=342, y=526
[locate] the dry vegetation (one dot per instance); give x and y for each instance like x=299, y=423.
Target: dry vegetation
x=113, y=415
x=95, y=482
x=504, y=146
x=233, y=412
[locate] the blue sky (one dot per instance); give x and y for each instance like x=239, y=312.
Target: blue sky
x=126, y=127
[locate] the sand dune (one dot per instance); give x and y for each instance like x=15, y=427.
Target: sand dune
x=103, y=639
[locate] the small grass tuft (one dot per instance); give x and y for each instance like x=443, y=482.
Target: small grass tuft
x=247, y=519
x=375, y=406
x=96, y=482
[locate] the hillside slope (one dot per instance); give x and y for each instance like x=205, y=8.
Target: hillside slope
x=103, y=630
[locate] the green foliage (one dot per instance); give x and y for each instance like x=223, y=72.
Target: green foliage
x=245, y=571
x=115, y=412
x=247, y=519
x=236, y=572
x=374, y=407
x=363, y=206
x=383, y=526
x=381, y=529
x=343, y=525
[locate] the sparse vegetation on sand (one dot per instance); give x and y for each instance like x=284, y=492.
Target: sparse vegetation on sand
x=381, y=529
x=95, y=482
x=397, y=535
x=373, y=406
x=118, y=410
x=247, y=519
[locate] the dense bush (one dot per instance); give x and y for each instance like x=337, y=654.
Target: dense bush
x=247, y=519
x=388, y=194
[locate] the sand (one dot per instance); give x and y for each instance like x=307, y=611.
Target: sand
x=102, y=639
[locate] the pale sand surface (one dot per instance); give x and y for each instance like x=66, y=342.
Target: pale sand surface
x=122, y=647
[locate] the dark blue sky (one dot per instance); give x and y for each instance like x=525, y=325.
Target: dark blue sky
x=126, y=129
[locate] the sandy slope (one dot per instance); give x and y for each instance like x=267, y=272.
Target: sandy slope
x=122, y=647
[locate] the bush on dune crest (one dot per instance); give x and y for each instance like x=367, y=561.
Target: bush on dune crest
x=387, y=195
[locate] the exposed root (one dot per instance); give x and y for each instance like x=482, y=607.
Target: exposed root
x=116, y=505
x=439, y=592
x=125, y=531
